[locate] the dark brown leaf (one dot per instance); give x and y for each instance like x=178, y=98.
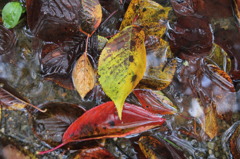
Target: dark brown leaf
x=91, y=16
x=94, y=153
x=51, y=125
x=53, y=20
x=7, y=40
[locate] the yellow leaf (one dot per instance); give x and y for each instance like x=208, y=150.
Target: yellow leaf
x=122, y=64
x=83, y=75
x=91, y=16
x=148, y=14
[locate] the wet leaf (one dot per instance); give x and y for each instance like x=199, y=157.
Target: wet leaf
x=94, y=153
x=148, y=14
x=103, y=122
x=151, y=16
x=91, y=16
x=236, y=9
x=83, y=75
x=154, y=148
x=159, y=77
x=122, y=64
x=11, y=14
x=11, y=99
x=209, y=121
x=7, y=40
x=183, y=8
x=190, y=37
x=150, y=101
x=50, y=126
x=221, y=58
x=53, y=20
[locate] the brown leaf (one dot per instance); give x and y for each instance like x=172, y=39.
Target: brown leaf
x=83, y=75
x=91, y=16
x=159, y=77
x=50, y=126
x=210, y=125
x=94, y=153
x=11, y=99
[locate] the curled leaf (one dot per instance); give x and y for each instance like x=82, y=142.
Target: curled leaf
x=83, y=75
x=91, y=16
x=103, y=122
x=122, y=64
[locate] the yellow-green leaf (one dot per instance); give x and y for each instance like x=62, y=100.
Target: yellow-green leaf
x=221, y=58
x=83, y=76
x=122, y=64
x=91, y=16
x=148, y=14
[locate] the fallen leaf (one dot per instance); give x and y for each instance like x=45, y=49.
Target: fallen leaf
x=209, y=124
x=83, y=75
x=221, y=58
x=159, y=77
x=122, y=64
x=8, y=40
x=50, y=126
x=154, y=148
x=53, y=20
x=11, y=99
x=102, y=122
x=152, y=17
x=91, y=16
x=150, y=101
x=148, y=14
x=94, y=153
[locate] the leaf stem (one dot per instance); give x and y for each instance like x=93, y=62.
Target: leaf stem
x=110, y=16
x=43, y=111
x=86, y=45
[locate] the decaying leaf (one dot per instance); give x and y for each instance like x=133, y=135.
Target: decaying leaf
x=94, y=153
x=122, y=64
x=159, y=77
x=50, y=126
x=236, y=9
x=210, y=125
x=11, y=99
x=103, y=122
x=148, y=14
x=151, y=102
x=91, y=16
x=221, y=58
x=154, y=148
x=83, y=75
x=8, y=40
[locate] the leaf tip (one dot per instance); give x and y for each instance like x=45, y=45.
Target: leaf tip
x=119, y=107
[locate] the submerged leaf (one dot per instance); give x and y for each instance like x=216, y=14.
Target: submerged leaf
x=8, y=40
x=148, y=14
x=159, y=77
x=50, y=126
x=83, y=75
x=150, y=101
x=154, y=148
x=122, y=64
x=12, y=100
x=103, y=122
x=91, y=16
x=94, y=153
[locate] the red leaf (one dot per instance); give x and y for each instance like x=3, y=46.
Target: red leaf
x=152, y=103
x=103, y=122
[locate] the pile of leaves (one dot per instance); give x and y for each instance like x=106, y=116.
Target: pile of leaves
x=136, y=60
